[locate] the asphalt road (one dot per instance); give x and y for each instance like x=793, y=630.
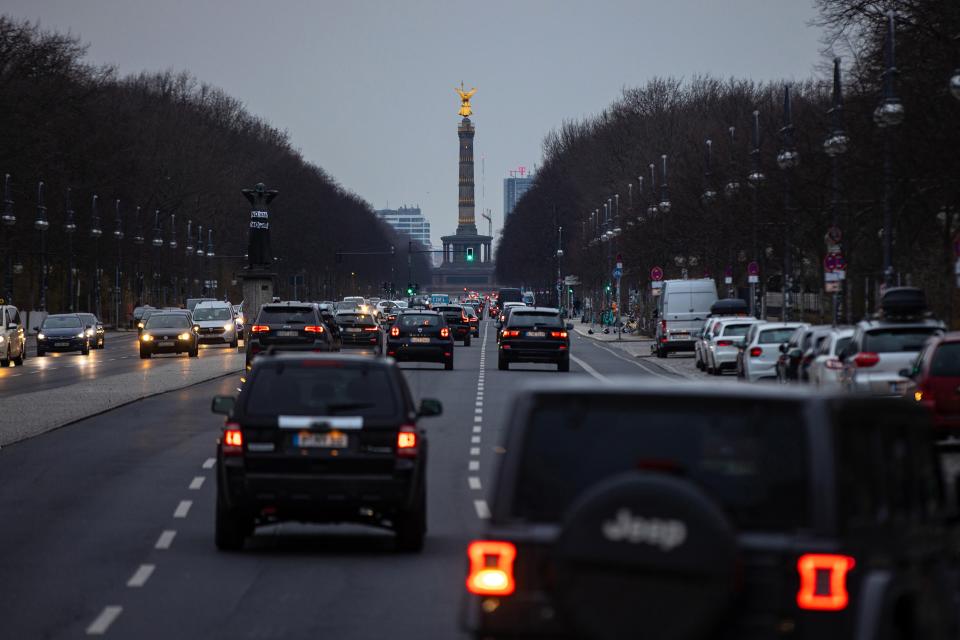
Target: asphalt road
x=106, y=526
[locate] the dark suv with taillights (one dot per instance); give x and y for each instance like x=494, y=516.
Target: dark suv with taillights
x=419, y=335
x=359, y=329
x=534, y=334
x=631, y=510
x=288, y=326
x=457, y=319
x=322, y=438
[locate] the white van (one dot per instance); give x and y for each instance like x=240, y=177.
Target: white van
x=682, y=307
x=216, y=321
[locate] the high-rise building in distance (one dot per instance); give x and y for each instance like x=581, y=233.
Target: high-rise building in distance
x=513, y=189
x=408, y=221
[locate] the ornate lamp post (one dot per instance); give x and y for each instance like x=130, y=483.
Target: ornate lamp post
x=138, y=241
x=787, y=160
x=209, y=256
x=174, y=280
x=189, y=258
x=69, y=228
x=709, y=196
x=157, y=243
x=835, y=146
x=118, y=273
x=559, y=270
x=8, y=219
x=888, y=114
x=664, y=206
x=756, y=178
x=732, y=188
x=95, y=233
x=41, y=224
x=653, y=209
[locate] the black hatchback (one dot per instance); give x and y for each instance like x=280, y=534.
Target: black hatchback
x=288, y=326
x=534, y=334
x=421, y=336
x=322, y=438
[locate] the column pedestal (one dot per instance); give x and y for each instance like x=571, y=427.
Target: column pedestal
x=257, y=291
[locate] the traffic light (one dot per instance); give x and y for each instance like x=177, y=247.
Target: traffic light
x=608, y=287
x=570, y=290
x=409, y=289
x=469, y=254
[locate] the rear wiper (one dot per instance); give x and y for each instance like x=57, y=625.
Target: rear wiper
x=346, y=406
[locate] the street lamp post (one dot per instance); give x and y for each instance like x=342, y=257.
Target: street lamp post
x=210, y=255
x=138, y=241
x=174, y=278
x=188, y=266
x=787, y=160
x=756, y=178
x=41, y=224
x=200, y=254
x=69, y=228
x=8, y=219
x=95, y=233
x=664, y=206
x=835, y=146
x=118, y=274
x=157, y=243
x=652, y=209
x=559, y=270
x=888, y=114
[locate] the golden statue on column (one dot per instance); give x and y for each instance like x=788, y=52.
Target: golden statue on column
x=465, y=96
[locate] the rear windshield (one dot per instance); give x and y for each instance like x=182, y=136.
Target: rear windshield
x=411, y=320
x=286, y=315
x=212, y=313
x=509, y=295
x=321, y=389
x=946, y=360
x=63, y=322
x=356, y=318
x=893, y=340
x=164, y=321
x=749, y=458
x=842, y=344
x=528, y=319
x=736, y=329
x=456, y=310
x=775, y=336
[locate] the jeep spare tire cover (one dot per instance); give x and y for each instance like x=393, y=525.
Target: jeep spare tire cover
x=645, y=556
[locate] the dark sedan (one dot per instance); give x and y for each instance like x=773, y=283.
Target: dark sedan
x=534, y=334
x=288, y=326
x=169, y=333
x=63, y=332
x=94, y=329
x=421, y=336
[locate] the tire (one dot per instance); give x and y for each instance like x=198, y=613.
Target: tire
x=85, y=351
x=195, y=352
x=466, y=341
x=236, y=343
x=502, y=364
x=18, y=361
x=230, y=529
x=564, y=365
x=40, y=354
x=411, y=525
x=144, y=355
x=661, y=353
x=6, y=361
x=448, y=364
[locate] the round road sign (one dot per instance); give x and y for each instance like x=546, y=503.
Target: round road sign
x=753, y=269
x=656, y=274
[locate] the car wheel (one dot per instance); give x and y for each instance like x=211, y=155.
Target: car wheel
x=661, y=353
x=411, y=526
x=564, y=365
x=448, y=364
x=230, y=529
x=235, y=344
x=19, y=359
x=85, y=351
x=195, y=352
x=466, y=341
x=144, y=355
x=502, y=364
x=6, y=361
x=40, y=354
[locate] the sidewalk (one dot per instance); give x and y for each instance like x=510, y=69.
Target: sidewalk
x=598, y=334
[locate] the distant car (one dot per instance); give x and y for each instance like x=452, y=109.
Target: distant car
x=13, y=339
x=761, y=349
x=936, y=382
x=702, y=342
x=799, y=352
x=62, y=332
x=473, y=320
x=679, y=510
x=359, y=329
x=288, y=326
x=509, y=294
x=166, y=332
x=193, y=302
x=420, y=336
x=534, y=334
x=457, y=319
x=825, y=369
x=322, y=438
x=94, y=329
x=215, y=323
x=727, y=339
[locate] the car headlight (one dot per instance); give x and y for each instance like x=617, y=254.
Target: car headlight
x=1, y=339
x=184, y=336
x=40, y=336
x=228, y=326
x=90, y=332
x=82, y=334
x=146, y=337
x=139, y=325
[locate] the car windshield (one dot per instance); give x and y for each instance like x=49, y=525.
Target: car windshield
x=528, y=319
x=410, y=321
x=286, y=315
x=356, y=318
x=88, y=318
x=62, y=322
x=946, y=360
x=736, y=329
x=212, y=313
x=317, y=388
x=749, y=458
x=167, y=321
x=776, y=336
x=894, y=340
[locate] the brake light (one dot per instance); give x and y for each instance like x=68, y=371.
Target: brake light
x=558, y=334
x=464, y=317
x=444, y=332
x=314, y=329
x=511, y=333
x=371, y=328
x=724, y=343
x=823, y=581
x=491, y=568
x=866, y=359
x=395, y=332
x=259, y=328
x=232, y=440
x=833, y=363
x=407, y=441
x=756, y=352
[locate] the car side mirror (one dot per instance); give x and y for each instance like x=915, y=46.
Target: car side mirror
x=223, y=405
x=783, y=348
x=430, y=407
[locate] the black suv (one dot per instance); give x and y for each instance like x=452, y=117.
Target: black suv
x=458, y=321
x=421, y=336
x=683, y=511
x=534, y=334
x=322, y=438
x=360, y=329
x=288, y=326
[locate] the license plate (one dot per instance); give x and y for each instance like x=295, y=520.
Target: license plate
x=288, y=334
x=330, y=440
x=352, y=329
x=420, y=340
x=166, y=343
x=536, y=334
x=679, y=336
x=61, y=344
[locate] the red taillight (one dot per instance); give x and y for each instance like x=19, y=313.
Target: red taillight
x=395, y=332
x=314, y=328
x=444, y=332
x=464, y=318
x=371, y=328
x=756, y=352
x=232, y=440
x=259, y=328
x=866, y=359
x=724, y=343
x=833, y=363
x=558, y=334
x=663, y=326
x=491, y=568
x=407, y=441
x=823, y=581
x=511, y=333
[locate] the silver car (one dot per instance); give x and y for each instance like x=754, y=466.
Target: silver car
x=761, y=349
x=703, y=339
x=825, y=369
x=724, y=344
x=880, y=349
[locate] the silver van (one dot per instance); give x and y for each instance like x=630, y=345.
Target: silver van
x=682, y=307
x=13, y=341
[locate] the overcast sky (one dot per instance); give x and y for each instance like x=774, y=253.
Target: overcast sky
x=366, y=87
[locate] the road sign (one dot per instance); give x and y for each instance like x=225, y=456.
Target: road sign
x=619, y=265
x=832, y=287
x=656, y=285
x=727, y=280
x=617, y=273
x=834, y=235
x=656, y=274
x=833, y=262
x=753, y=279
x=753, y=269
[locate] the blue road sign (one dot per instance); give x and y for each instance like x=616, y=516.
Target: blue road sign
x=617, y=273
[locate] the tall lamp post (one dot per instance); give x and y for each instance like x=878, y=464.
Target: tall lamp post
x=210, y=255
x=189, y=249
x=41, y=224
x=664, y=205
x=787, y=160
x=95, y=233
x=756, y=178
x=157, y=243
x=8, y=219
x=118, y=275
x=200, y=254
x=835, y=146
x=174, y=278
x=888, y=114
x=138, y=241
x=69, y=228
x=559, y=270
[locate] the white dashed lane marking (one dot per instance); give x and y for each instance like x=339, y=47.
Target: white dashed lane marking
x=165, y=539
x=141, y=575
x=475, y=440
x=473, y=465
x=474, y=482
x=477, y=429
x=196, y=483
x=103, y=621
x=483, y=511
x=474, y=451
x=183, y=509
x=208, y=463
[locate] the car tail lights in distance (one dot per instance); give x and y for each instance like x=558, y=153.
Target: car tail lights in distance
x=823, y=581
x=724, y=343
x=444, y=332
x=371, y=328
x=259, y=328
x=232, y=440
x=833, y=364
x=395, y=332
x=866, y=359
x=491, y=568
x=407, y=442
x=756, y=352
x=314, y=328
x=558, y=334
x=511, y=333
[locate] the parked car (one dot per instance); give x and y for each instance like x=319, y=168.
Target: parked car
x=761, y=349
x=826, y=366
x=94, y=329
x=62, y=332
x=692, y=511
x=216, y=323
x=724, y=344
x=936, y=382
x=13, y=340
x=682, y=307
x=702, y=342
x=798, y=352
x=421, y=335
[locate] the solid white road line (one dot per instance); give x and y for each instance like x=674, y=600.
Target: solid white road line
x=483, y=511
x=474, y=483
x=141, y=575
x=209, y=462
x=103, y=621
x=474, y=451
x=196, y=483
x=473, y=465
x=183, y=509
x=589, y=369
x=165, y=539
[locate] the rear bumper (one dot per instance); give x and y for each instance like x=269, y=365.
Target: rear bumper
x=403, y=352
x=255, y=348
x=513, y=352
x=360, y=339
x=677, y=345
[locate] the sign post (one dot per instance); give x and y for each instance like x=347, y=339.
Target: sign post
x=617, y=274
x=753, y=277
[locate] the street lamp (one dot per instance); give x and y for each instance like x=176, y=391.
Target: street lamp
x=559, y=270
x=157, y=243
x=173, y=256
x=69, y=228
x=709, y=196
x=640, y=198
x=138, y=240
x=664, y=205
x=787, y=160
x=732, y=188
x=616, y=216
x=117, y=276
x=189, y=258
x=756, y=178
x=95, y=233
x=653, y=209
x=887, y=115
x=41, y=224
x=8, y=219
x=835, y=146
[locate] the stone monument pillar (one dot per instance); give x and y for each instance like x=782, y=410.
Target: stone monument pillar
x=258, y=276
x=466, y=220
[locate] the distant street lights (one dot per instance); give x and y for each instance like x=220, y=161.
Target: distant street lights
x=709, y=196
x=69, y=228
x=788, y=159
x=888, y=114
x=157, y=243
x=118, y=275
x=559, y=270
x=138, y=240
x=755, y=178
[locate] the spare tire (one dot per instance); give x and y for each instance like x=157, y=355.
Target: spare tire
x=645, y=555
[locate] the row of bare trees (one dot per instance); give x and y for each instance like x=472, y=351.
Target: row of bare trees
x=169, y=149
x=597, y=173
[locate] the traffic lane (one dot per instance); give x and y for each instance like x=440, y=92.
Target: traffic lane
x=83, y=506
x=117, y=357
x=605, y=360
x=295, y=580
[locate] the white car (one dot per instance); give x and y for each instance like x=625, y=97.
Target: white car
x=703, y=338
x=216, y=322
x=761, y=349
x=725, y=342
x=13, y=341
x=825, y=369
